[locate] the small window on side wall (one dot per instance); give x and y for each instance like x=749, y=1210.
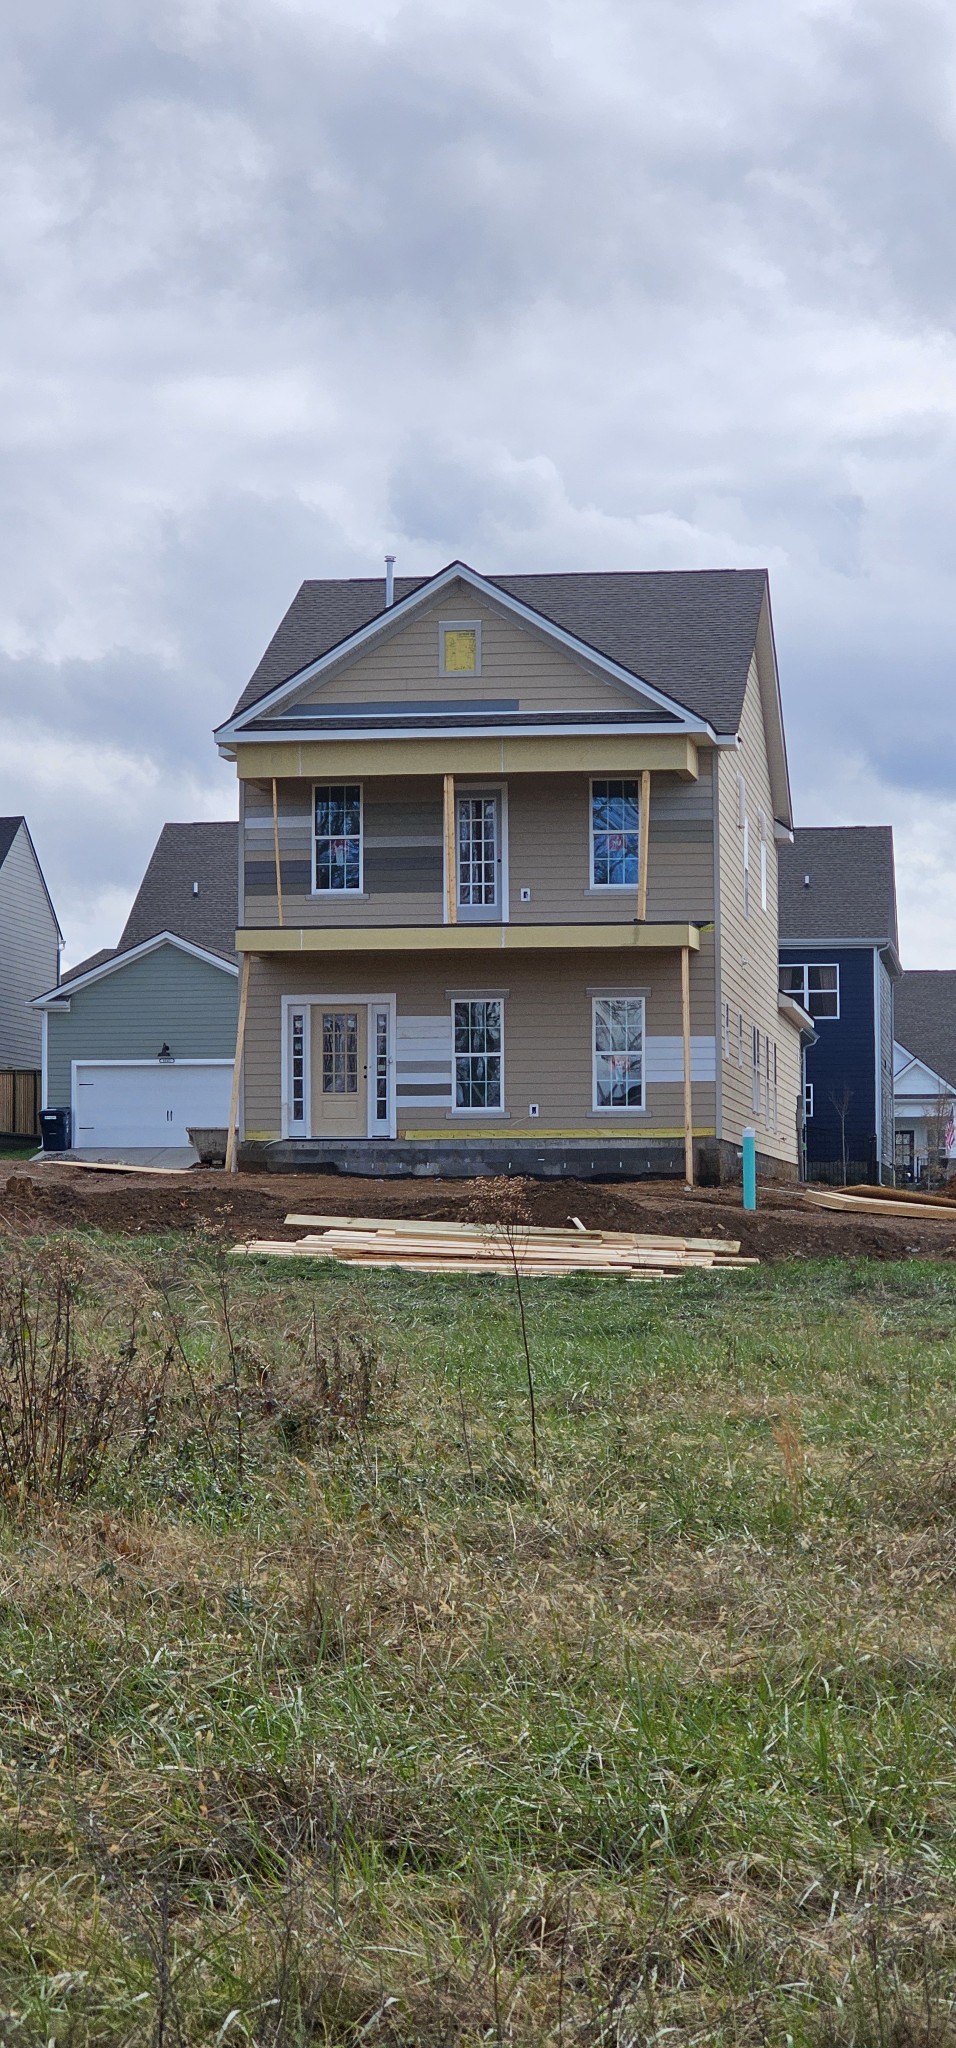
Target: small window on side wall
x=816, y=987
x=459, y=647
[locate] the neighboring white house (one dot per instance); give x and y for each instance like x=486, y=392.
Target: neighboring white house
x=924, y=1073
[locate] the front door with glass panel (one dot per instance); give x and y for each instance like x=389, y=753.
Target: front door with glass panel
x=478, y=834
x=340, y=1072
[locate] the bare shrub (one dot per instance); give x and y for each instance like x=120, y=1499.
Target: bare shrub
x=80, y=1373
x=502, y=1204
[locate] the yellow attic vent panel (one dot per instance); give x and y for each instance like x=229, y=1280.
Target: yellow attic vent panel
x=459, y=650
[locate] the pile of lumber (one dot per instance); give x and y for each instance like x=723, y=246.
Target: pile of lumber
x=872, y=1201
x=422, y=1247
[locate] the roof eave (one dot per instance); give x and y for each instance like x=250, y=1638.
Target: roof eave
x=64, y=990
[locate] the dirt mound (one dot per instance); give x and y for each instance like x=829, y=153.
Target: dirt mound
x=55, y=1196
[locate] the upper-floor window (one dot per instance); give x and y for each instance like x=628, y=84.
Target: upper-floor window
x=615, y=835
x=459, y=647
x=816, y=988
x=338, y=836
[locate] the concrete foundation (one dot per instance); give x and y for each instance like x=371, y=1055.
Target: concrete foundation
x=446, y=1159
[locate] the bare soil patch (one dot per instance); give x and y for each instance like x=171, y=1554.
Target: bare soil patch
x=56, y=1196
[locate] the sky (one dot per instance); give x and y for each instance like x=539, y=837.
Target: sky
x=619, y=284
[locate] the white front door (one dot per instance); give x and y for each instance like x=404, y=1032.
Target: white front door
x=147, y=1102
x=340, y=1067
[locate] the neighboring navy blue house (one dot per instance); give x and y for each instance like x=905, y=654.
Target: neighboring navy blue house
x=839, y=958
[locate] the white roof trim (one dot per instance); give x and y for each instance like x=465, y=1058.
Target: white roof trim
x=66, y=989
x=309, y=736
x=938, y=1083
x=387, y=621
x=795, y=1012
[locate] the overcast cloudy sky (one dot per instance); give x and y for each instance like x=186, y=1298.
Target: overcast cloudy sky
x=547, y=284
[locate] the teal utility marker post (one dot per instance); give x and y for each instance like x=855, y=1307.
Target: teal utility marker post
x=750, y=1168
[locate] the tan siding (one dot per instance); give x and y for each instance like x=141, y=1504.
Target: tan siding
x=547, y=1032
x=548, y=852
x=749, y=945
x=517, y=661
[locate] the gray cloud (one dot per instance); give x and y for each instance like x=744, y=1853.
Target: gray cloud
x=632, y=285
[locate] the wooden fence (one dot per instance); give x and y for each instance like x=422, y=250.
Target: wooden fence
x=19, y=1103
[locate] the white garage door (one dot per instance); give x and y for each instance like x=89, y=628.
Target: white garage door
x=148, y=1104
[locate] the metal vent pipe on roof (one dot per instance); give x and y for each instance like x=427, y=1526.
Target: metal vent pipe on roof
x=389, y=581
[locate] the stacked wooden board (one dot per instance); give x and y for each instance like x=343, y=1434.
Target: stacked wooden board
x=883, y=1202
x=536, y=1252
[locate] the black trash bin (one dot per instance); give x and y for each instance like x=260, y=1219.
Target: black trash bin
x=56, y=1129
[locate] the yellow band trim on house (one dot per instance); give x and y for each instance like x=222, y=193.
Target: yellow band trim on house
x=467, y=938
x=532, y=1134
x=588, y=754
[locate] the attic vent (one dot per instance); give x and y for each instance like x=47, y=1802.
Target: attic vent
x=195, y=888
x=806, y=881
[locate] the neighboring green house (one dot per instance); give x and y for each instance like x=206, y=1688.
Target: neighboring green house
x=139, y=1042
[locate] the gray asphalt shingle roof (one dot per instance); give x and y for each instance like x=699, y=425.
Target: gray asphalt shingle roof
x=184, y=854
x=688, y=632
x=9, y=827
x=852, y=888
x=925, y=1018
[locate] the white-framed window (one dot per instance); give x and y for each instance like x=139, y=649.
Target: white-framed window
x=745, y=852
x=726, y=1031
x=615, y=833
x=807, y=1101
x=740, y=1038
x=618, y=1052
x=478, y=1041
x=337, y=838
x=459, y=647
x=297, y=1053
x=816, y=987
x=755, y=1069
x=774, y=1100
x=764, y=859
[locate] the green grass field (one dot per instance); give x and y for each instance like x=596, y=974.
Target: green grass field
x=325, y=1717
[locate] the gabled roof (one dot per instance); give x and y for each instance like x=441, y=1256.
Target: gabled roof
x=9, y=827
x=86, y=966
x=838, y=884
x=689, y=634
x=925, y=1018
x=99, y=965
x=184, y=855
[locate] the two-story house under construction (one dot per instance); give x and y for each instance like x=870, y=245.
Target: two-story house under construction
x=508, y=894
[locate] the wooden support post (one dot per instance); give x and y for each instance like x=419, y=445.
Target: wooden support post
x=451, y=865
x=688, y=1089
x=232, y=1148
x=275, y=848
x=644, y=826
